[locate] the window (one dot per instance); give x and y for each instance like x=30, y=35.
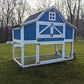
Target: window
x=52, y=16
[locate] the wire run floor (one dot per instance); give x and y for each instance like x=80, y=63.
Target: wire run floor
x=32, y=59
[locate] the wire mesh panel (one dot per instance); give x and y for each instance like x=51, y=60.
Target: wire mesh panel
x=30, y=54
x=17, y=53
x=68, y=49
x=48, y=52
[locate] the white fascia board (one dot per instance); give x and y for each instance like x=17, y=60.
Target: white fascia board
x=28, y=22
x=16, y=28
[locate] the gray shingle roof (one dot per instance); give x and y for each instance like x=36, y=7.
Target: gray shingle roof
x=32, y=17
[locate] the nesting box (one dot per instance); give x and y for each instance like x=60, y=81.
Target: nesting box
x=47, y=27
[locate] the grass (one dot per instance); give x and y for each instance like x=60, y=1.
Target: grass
x=69, y=72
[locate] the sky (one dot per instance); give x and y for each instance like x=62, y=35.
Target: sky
x=34, y=2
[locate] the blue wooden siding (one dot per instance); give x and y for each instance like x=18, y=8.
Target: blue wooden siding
x=68, y=32
x=17, y=34
x=47, y=31
x=45, y=17
x=30, y=32
x=60, y=28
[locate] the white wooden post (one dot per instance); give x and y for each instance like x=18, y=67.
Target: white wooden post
x=22, y=55
x=13, y=51
x=22, y=46
x=63, y=50
x=13, y=44
x=63, y=45
x=37, y=45
x=37, y=53
x=72, y=46
x=55, y=48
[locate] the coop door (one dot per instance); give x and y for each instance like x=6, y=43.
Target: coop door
x=51, y=30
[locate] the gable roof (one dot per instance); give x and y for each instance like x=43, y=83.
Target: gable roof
x=32, y=17
x=38, y=15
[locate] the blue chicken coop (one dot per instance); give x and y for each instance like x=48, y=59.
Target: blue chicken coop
x=46, y=37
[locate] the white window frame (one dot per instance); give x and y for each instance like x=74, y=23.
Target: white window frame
x=52, y=16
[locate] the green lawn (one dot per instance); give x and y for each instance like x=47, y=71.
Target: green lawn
x=69, y=72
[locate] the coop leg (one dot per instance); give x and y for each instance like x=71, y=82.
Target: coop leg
x=13, y=51
x=72, y=49
x=63, y=50
x=56, y=50
x=37, y=54
x=22, y=55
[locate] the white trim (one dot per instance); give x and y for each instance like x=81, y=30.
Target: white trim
x=63, y=50
x=37, y=53
x=12, y=35
x=22, y=44
x=22, y=55
x=51, y=31
x=72, y=44
x=17, y=45
x=50, y=42
x=44, y=29
x=51, y=61
x=49, y=36
x=37, y=30
x=17, y=41
x=64, y=27
x=13, y=51
x=22, y=34
x=16, y=28
x=68, y=40
x=29, y=41
x=28, y=22
x=17, y=62
x=37, y=46
x=47, y=23
x=72, y=49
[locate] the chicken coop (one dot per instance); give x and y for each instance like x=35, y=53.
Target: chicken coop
x=43, y=38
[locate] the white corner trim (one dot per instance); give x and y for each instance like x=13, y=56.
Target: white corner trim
x=22, y=34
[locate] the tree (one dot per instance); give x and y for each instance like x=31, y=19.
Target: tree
x=7, y=8
x=7, y=11
x=43, y=4
x=77, y=19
